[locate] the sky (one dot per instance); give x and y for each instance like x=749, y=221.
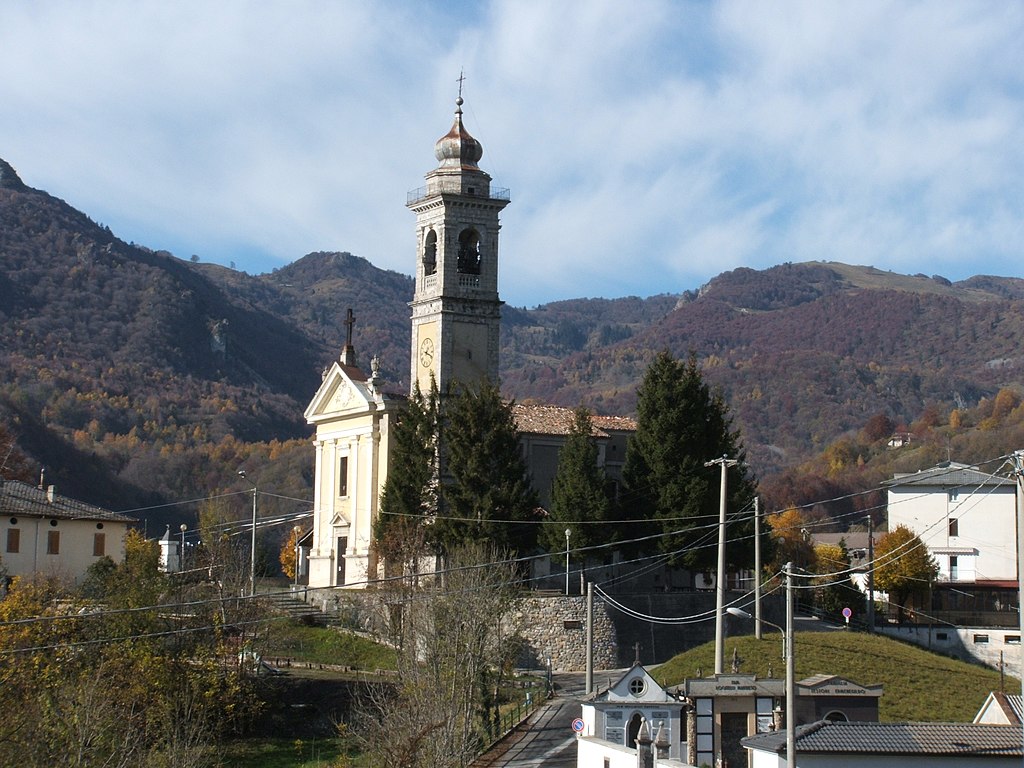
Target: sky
x=648, y=146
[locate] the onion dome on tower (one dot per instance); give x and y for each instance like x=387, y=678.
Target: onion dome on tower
x=457, y=149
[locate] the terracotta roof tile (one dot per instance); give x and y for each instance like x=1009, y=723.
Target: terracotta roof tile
x=556, y=420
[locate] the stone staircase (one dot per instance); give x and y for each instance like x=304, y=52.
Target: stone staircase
x=294, y=607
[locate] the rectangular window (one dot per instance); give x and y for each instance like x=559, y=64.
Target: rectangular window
x=99, y=541
x=13, y=540
x=953, y=527
x=1013, y=639
x=980, y=639
x=53, y=542
x=343, y=476
x=954, y=565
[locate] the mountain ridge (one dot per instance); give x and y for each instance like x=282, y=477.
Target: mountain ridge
x=154, y=364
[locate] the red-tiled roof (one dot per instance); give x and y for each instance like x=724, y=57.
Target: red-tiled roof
x=555, y=420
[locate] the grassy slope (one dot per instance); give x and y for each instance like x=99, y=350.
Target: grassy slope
x=326, y=646
x=918, y=685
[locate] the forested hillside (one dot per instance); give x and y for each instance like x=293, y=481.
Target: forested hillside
x=138, y=378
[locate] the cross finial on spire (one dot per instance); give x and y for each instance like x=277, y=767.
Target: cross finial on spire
x=636, y=651
x=350, y=321
x=348, y=355
x=462, y=79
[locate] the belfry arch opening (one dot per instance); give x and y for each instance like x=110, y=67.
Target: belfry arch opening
x=468, y=262
x=430, y=253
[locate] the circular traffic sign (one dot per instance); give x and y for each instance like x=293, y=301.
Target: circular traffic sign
x=577, y=725
x=847, y=612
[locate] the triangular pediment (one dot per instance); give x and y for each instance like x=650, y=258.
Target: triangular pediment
x=636, y=686
x=343, y=392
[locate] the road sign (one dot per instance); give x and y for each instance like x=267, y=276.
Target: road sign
x=577, y=725
x=847, y=613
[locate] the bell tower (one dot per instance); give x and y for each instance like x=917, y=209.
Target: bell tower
x=456, y=311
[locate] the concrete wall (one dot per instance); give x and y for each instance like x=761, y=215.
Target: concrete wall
x=978, y=644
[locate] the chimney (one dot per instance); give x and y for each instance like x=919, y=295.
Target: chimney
x=51, y=491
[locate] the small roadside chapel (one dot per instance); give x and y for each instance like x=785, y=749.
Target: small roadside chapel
x=617, y=713
x=723, y=709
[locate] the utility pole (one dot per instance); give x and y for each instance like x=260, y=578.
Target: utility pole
x=568, y=533
x=590, y=637
x=1018, y=470
x=252, y=549
x=725, y=463
x=757, y=567
x=790, y=673
x=871, y=575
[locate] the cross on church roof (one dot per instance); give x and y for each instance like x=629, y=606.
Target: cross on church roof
x=348, y=355
x=350, y=321
x=462, y=79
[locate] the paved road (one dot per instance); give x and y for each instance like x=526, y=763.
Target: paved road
x=546, y=738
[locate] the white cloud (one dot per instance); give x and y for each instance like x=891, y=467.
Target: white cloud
x=646, y=151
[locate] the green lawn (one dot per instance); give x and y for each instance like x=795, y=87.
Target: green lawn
x=325, y=645
x=918, y=685
x=288, y=753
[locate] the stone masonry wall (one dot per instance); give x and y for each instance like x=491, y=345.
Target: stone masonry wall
x=556, y=628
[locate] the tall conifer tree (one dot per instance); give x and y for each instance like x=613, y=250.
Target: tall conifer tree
x=486, y=493
x=578, y=499
x=681, y=424
x=410, y=496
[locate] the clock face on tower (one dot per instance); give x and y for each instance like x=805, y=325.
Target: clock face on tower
x=427, y=352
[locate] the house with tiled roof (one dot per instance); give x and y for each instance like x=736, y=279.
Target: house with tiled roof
x=42, y=532
x=543, y=430
x=827, y=744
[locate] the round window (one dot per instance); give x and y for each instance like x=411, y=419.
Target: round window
x=637, y=686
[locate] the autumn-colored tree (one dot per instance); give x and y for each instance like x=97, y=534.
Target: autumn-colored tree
x=903, y=567
x=286, y=556
x=1006, y=400
x=878, y=427
x=835, y=589
x=791, y=538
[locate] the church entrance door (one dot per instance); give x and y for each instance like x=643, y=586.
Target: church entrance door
x=342, y=547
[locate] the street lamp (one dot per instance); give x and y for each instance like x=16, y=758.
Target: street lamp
x=252, y=553
x=297, y=530
x=181, y=555
x=787, y=653
x=568, y=533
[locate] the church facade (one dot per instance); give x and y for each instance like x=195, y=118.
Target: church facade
x=456, y=318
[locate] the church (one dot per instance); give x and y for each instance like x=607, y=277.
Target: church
x=456, y=317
